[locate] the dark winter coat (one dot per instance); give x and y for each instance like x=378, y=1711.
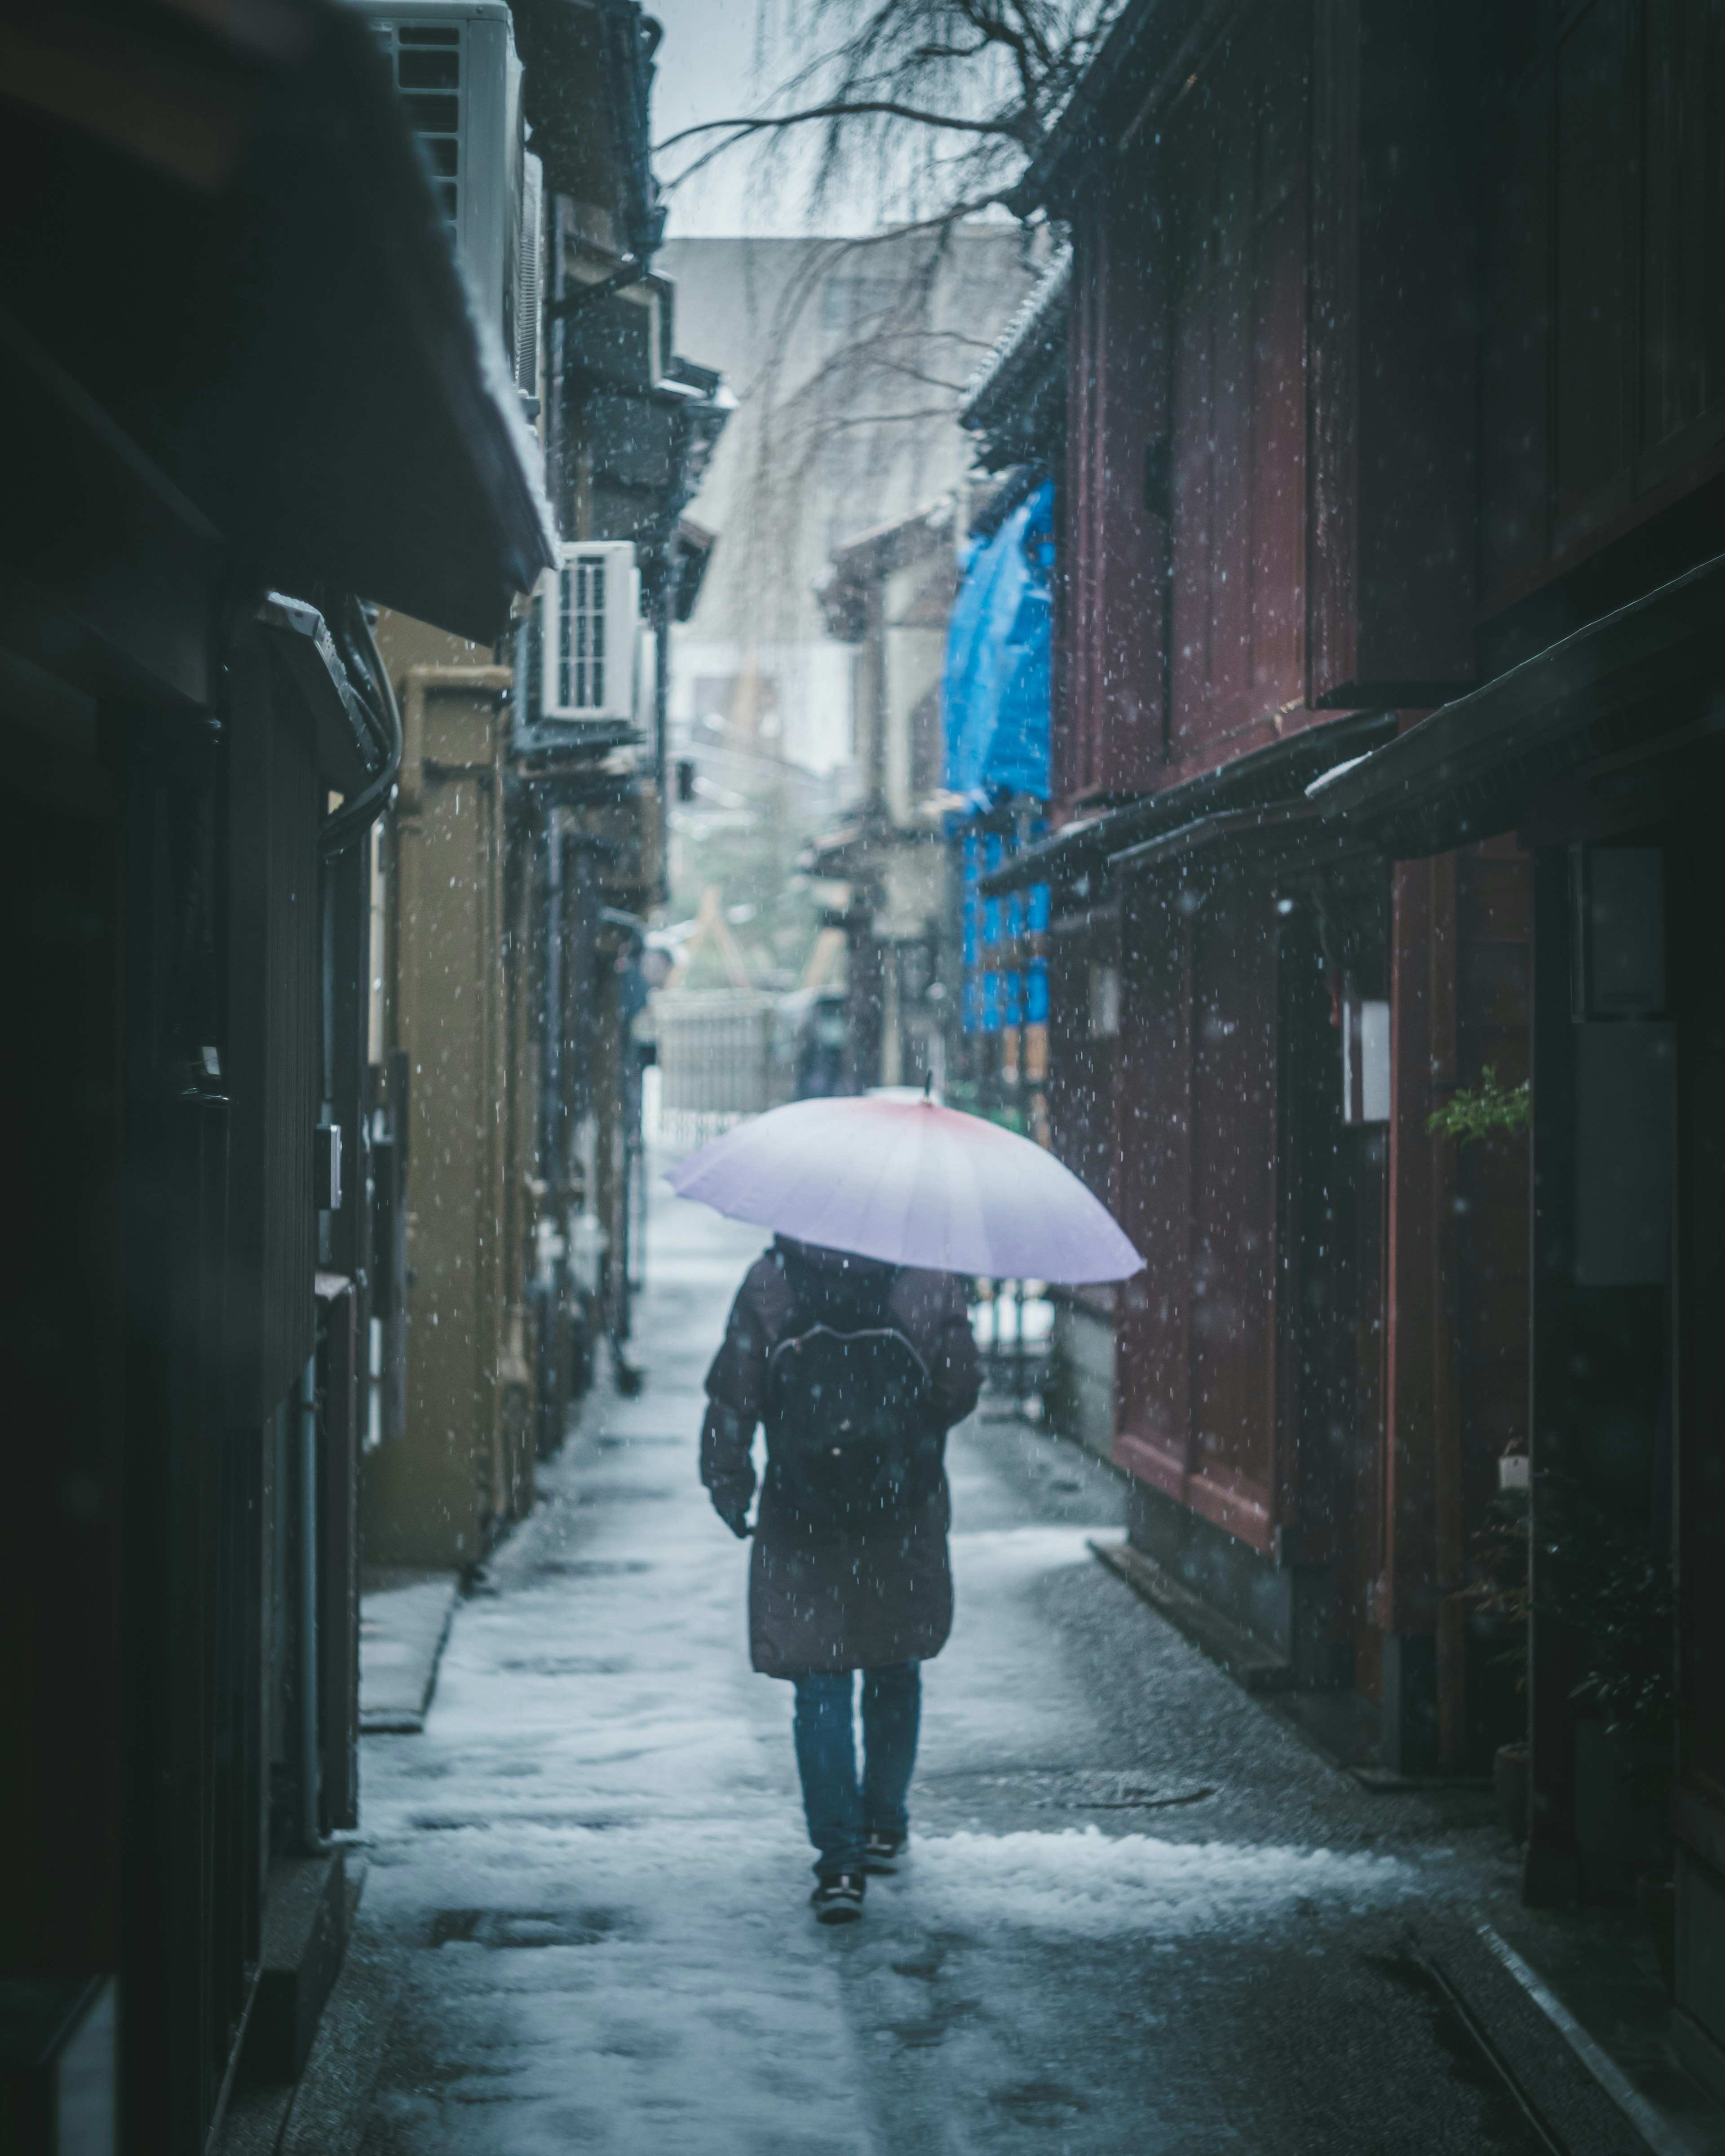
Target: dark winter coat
x=852, y=1600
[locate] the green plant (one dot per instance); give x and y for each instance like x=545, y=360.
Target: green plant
x=1499, y=1551
x=1616, y=1595
x=1612, y=1591
x=1478, y=1111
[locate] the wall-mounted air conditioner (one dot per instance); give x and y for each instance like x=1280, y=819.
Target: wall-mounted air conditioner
x=578, y=649
x=455, y=68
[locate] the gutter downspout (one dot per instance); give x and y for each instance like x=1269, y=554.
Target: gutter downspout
x=661, y=731
x=552, y=1293
x=551, y=1060
x=355, y=818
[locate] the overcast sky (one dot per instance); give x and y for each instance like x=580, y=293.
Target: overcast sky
x=709, y=69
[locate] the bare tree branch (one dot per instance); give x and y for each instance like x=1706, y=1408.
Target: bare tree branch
x=885, y=107
x=921, y=116
x=919, y=106
x=846, y=420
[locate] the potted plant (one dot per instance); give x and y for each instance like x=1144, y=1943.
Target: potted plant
x=1615, y=1592
x=1500, y=1606
x=1471, y=1115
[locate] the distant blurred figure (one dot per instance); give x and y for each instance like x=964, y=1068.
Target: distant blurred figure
x=820, y=1049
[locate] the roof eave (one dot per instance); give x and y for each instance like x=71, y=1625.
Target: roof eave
x=1470, y=770
x=1262, y=779
x=1074, y=141
x=289, y=340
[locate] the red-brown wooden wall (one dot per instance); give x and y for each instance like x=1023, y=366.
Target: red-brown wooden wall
x=1603, y=277
x=1196, y=1393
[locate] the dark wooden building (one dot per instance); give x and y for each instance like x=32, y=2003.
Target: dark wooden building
x=1390, y=479
x=1251, y=593
x=1592, y=737
x=240, y=386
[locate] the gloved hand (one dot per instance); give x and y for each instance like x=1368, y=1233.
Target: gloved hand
x=734, y=1511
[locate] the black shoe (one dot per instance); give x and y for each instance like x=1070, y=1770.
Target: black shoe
x=839, y=1900
x=883, y=1852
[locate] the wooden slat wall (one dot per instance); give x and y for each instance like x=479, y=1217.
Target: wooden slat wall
x=1073, y=760
x=1128, y=661
x=193, y=1803
x=1081, y=1089
x=1331, y=1270
x=1593, y=310
x=1236, y=158
x=62, y=1362
x=1682, y=233
x=1153, y=1120
x=1699, y=907
x=1233, y=1206
x=1603, y=271
x=1111, y=735
x=1552, y=1663
x=1197, y=1110
x=1392, y=351
x=1493, y=909
x=191, y=1875
x=273, y=806
x=1514, y=528
x=1418, y=1483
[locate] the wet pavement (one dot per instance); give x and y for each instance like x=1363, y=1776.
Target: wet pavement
x=1141, y=1912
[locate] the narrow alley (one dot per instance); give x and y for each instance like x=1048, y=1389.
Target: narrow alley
x=1075, y=642
x=1140, y=1911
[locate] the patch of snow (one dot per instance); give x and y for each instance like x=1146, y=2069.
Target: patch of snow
x=1082, y=1881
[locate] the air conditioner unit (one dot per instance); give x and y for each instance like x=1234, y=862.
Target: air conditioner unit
x=578, y=649
x=455, y=68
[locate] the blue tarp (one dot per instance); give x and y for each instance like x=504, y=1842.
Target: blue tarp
x=995, y=693
x=994, y=999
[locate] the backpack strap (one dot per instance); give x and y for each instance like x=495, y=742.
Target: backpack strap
x=862, y=1333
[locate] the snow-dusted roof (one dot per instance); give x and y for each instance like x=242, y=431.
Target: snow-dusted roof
x=1008, y=400
x=1026, y=329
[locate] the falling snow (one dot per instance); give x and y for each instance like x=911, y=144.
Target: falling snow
x=593, y=1864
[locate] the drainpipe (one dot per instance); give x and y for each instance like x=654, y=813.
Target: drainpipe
x=310, y=1785
x=661, y=724
x=551, y=1149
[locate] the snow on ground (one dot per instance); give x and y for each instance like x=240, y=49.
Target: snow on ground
x=1080, y=1880
x=593, y=1861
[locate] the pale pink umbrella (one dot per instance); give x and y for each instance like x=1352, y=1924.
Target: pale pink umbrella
x=914, y=1183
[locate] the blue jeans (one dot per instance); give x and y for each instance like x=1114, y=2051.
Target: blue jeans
x=839, y=1812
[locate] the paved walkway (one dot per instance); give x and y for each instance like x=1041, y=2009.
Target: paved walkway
x=1140, y=1914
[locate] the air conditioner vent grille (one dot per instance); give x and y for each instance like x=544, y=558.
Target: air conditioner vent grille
x=426, y=60
x=581, y=634
x=578, y=657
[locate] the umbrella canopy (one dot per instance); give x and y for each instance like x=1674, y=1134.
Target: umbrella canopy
x=913, y=1184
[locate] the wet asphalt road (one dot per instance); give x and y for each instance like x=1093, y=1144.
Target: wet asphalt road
x=1141, y=1914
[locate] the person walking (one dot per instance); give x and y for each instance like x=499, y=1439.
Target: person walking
x=858, y=1369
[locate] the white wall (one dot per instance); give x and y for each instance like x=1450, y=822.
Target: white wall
x=795, y=705
x=820, y=448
